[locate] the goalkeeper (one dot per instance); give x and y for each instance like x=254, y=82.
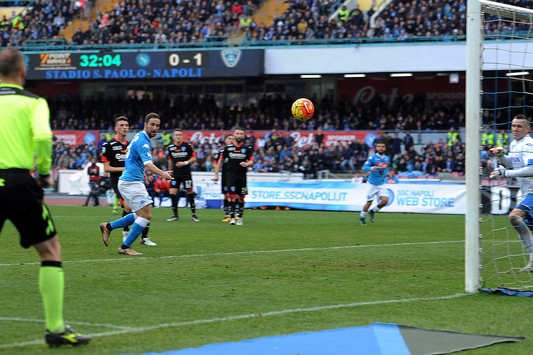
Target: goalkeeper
x=518, y=163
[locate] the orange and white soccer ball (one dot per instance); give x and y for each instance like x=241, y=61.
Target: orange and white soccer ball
x=303, y=109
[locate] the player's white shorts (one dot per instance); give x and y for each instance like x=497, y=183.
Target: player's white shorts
x=373, y=191
x=135, y=194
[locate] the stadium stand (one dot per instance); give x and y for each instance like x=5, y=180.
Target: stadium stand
x=39, y=20
x=132, y=23
x=103, y=22
x=191, y=112
x=278, y=153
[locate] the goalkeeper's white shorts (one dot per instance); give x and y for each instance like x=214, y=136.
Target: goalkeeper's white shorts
x=376, y=191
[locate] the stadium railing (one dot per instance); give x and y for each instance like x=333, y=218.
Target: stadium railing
x=221, y=42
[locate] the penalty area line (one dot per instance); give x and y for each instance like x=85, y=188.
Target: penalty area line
x=129, y=330
x=275, y=313
x=251, y=252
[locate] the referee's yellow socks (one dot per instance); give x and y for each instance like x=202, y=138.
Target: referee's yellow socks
x=52, y=286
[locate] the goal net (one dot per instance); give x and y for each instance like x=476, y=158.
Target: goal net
x=499, y=87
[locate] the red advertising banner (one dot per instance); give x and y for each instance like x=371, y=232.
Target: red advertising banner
x=75, y=138
x=301, y=138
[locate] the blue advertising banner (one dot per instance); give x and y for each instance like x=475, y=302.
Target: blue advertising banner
x=441, y=198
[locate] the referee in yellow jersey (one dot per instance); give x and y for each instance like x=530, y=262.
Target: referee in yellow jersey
x=24, y=133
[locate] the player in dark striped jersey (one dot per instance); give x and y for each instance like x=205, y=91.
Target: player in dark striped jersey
x=180, y=157
x=239, y=158
x=224, y=181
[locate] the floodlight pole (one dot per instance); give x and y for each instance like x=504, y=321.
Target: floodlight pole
x=474, y=71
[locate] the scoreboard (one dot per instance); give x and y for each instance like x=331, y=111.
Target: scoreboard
x=229, y=62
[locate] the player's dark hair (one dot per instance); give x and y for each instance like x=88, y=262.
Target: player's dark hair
x=121, y=118
x=178, y=129
x=238, y=129
x=150, y=116
x=520, y=117
x=11, y=61
x=379, y=141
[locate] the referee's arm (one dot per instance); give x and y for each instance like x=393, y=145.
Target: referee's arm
x=42, y=136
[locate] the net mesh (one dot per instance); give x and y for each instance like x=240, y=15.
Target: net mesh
x=507, y=90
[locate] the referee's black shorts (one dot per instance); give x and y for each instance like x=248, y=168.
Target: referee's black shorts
x=21, y=202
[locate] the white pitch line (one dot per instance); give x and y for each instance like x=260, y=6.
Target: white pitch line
x=243, y=316
x=244, y=252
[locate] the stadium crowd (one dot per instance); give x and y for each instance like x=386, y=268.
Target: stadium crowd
x=185, y=21
x=400, y=20
x=132, y=22
x=194, y=113
x=277, y=151
x=43, y=21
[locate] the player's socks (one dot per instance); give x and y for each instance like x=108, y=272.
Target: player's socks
x=127, y=228
x=174, y=199
x=226, y=207
x=191, y=201
x=523, y=231
x=232, y=209
x=376, y=209
x=145, y=231
x=116, y=203
x=136, y=230
x=123, y=222
x=51, y=287
x=363, y=214
x=238, y=210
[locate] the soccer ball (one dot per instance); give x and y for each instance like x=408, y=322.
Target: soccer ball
x=302, y=109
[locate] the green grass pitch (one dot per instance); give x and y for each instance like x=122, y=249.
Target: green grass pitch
x=282, y=272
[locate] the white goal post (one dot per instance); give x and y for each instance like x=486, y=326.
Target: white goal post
x=474, y=116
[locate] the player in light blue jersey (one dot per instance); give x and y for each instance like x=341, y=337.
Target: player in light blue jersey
x=378, y=165
x=132, y=187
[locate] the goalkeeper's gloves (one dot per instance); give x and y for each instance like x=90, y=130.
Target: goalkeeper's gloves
x=498, y=151
x=499, y=172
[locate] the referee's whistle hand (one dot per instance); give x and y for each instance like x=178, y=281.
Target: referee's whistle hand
x=44, y=181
